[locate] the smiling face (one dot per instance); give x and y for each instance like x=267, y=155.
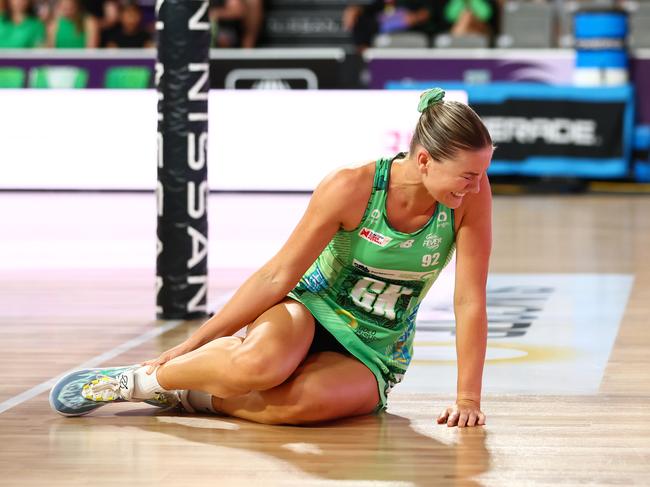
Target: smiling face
x=450, y=180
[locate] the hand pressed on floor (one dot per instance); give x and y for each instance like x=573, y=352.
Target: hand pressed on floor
x=463, y=413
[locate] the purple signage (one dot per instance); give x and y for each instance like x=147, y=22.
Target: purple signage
x=94, y=63
x=549, y=67
x=552, y=67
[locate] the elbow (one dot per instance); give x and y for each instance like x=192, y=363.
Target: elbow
x=276, y=280
x=467, y=300
x=470, y=304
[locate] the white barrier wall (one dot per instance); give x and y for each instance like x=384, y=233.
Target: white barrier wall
x=258, y=140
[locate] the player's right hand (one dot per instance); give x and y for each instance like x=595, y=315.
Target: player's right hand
x=177, y=351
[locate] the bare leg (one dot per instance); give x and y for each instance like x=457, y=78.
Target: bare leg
x=276, y=343
x=326, y=386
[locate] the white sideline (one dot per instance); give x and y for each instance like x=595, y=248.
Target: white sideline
x=97, y=360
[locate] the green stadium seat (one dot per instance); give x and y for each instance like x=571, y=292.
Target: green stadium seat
x=127, y=77
x=11, y=77
x=58, y=77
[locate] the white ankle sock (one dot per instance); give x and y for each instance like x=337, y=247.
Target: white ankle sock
x=201, y=402
x=146, y=385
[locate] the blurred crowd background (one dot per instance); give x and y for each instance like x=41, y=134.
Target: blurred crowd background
x=524, y=64
x=282, y=23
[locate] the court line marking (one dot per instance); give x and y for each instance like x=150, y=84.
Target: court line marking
x=98, y=360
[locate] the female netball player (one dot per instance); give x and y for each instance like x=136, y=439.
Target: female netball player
x=331, y=317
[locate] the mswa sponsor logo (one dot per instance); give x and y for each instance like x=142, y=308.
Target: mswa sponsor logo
x=374, y=237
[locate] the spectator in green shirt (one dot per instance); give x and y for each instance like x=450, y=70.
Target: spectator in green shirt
x=71, y=27
x=470, y=16
x=19, y=26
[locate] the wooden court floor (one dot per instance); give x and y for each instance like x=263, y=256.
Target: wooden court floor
x=76, y=288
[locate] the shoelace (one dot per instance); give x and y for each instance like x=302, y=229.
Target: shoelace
x=101, y=389
x=106, y=389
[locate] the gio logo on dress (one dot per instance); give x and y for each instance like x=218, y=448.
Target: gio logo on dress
x=432, y=241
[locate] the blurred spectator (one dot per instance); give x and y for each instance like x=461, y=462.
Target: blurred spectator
x=19, y=26
x=106, y=12
x=236, y=23
x=109, y=20
x=97, y=8
x=93, y=7
x=72, y=27
x=227, y=20
x=387, y=16
x=253, y=22
x=130, y=31
x=43, y=9
x=470, y=16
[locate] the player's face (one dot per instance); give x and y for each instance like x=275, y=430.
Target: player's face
x=450, y=180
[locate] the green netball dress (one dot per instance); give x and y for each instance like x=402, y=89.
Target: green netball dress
x=367, y=284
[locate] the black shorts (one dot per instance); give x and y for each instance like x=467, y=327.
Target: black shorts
x=324, y=341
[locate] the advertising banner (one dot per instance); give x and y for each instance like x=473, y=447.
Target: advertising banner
x=295, y=69
x=555, y=128
x=563, y=131
x=259, y=140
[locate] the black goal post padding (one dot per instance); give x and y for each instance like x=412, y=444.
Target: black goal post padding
x=182, y=81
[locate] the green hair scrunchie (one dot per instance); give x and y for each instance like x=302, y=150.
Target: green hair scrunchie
x=430, y=97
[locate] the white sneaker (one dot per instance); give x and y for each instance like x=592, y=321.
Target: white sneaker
x=109, y=387
x=83, y=391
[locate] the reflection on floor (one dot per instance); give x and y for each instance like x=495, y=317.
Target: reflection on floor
x=567, y=377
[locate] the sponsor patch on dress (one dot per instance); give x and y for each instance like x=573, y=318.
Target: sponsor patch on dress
x=374, y=237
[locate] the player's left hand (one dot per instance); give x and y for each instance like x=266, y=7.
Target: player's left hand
x=463, y=413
